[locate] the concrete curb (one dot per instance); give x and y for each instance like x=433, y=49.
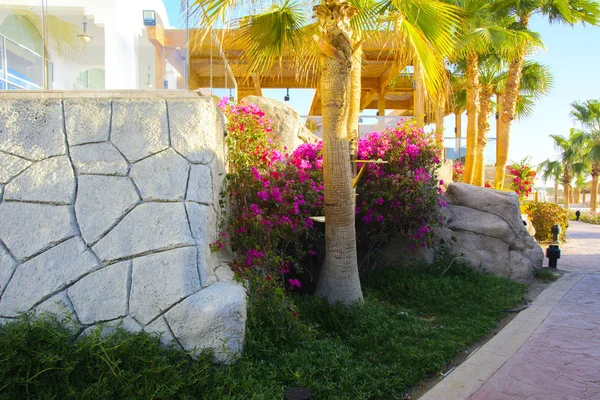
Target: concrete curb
x=480, y=366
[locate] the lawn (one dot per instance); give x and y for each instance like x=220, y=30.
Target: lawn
x=412, y=322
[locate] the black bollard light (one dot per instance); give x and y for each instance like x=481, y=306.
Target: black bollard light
x=297, y=394
x=553, y=251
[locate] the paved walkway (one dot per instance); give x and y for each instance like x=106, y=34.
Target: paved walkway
x=550, y=351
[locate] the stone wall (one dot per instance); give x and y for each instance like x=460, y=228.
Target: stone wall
x=107, y=209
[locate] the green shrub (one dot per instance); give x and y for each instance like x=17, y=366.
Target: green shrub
x=543, y=215
x=590, y=218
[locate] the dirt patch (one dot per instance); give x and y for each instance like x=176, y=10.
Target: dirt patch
x=533, y=291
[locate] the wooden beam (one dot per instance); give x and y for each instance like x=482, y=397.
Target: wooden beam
x=390, y=73
x=160, y=67
x=156, y=35
x=367, y=98
x=390, y=105
x=381, y=103
x=315, y=107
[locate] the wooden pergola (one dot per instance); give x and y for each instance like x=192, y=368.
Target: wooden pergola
x=212, y=63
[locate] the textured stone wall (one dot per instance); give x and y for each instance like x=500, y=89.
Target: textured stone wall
x=107, y=210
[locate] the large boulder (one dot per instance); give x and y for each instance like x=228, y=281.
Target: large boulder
x=288, y=129
x=484, y=227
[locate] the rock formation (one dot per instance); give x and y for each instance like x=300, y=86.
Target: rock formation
x=484, y=226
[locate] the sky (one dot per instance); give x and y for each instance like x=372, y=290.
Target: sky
x=571, y=53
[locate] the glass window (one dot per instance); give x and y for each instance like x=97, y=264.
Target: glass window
x=25, y=69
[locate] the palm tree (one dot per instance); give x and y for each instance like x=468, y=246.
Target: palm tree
x=537, y=81
x=486, y=30
x=571, y=159
x=561, y=11
x=588, y=114
x=425, y=27
x=551, y=169
x=580, y=185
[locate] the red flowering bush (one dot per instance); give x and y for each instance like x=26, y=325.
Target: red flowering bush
x=273, y=195
x=401, y=197
x=523, y=178
x=458, y=172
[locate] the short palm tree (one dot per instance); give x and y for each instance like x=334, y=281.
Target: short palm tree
x=551, y=170
x=426, y=30
x=571, y=159
x=588, y=115
x=561, y=11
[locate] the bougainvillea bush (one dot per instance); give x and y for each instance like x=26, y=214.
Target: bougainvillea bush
x=399, y=198
x=272, y=195
x=523, y=178
x=458, y=172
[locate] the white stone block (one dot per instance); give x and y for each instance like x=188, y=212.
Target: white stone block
x=27, y=229
x=48, y=181
x=46, y=274
x=102, y=295
x=150, y=227
x=32, y=129
x=102, y=201
x=11, y=166
x=214, y=318
x=99, y=159
x=196, y=129
x=139, y=127
x=160, y=280
x=87, y=120
x=162, y=176
x=200, y=187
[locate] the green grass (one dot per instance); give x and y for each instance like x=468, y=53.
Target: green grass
x=412, y=323
x=545, y=274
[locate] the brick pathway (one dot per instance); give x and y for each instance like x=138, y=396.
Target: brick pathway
x=551, y=351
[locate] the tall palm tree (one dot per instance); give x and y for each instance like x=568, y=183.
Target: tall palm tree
x=588, y=114
x=537, y=81
x=551, y=169
x=487, y=29
x=570, y=157
x=556, y=11
x=425, y=27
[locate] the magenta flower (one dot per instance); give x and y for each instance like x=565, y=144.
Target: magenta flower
x=294, y=283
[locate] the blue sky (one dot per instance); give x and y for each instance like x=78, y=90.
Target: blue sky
x=573, y=55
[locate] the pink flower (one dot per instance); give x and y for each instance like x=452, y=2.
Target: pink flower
x=312, y=252
x=294, y=283
x=379, y=201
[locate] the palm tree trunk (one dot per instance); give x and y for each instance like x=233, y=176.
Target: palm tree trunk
x=483, y=127
x=419, y=100
x=566, y=188
x=458, y=131
x=577, y=196
x=594, y=193
x=472, y=115
x=555, y=191
x=439, y=129
x=583, y=195
x=354, y=112
x=507, y=104
x=339, y=281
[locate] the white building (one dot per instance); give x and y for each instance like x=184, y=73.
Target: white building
x=115, y=54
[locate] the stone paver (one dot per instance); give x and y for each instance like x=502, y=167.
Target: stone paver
x=549, y=351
